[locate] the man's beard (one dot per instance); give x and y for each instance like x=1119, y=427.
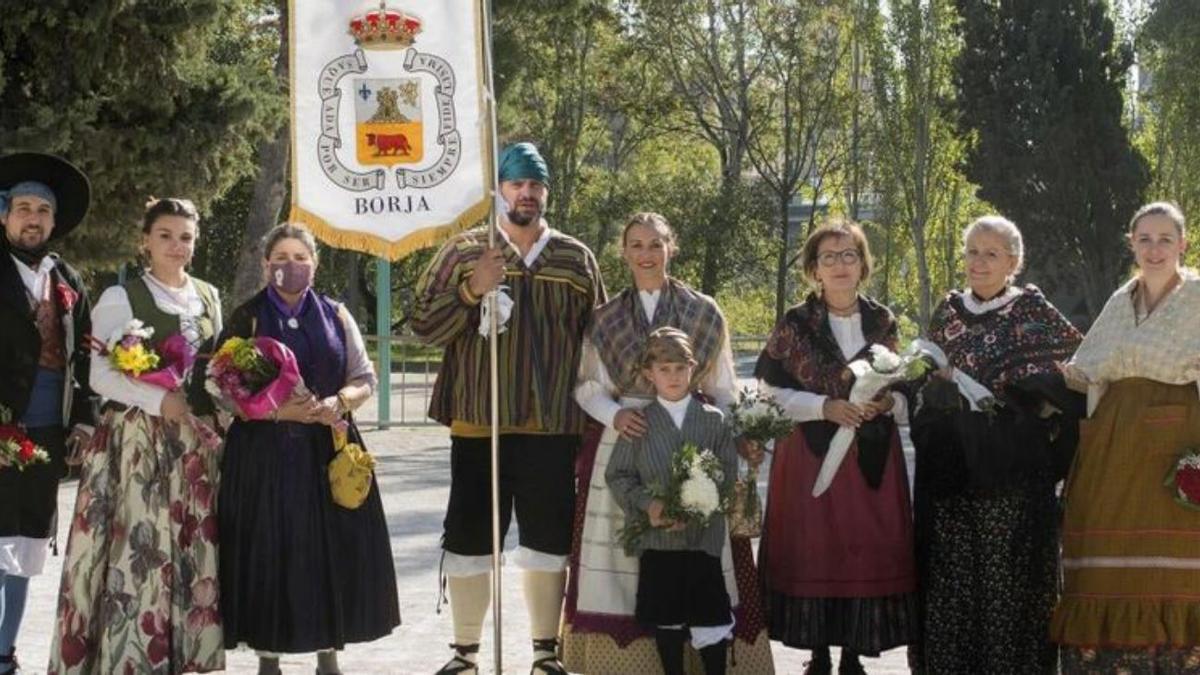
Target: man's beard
x=523, y=219
x=30, y=255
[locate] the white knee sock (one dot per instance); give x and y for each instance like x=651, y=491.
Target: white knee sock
x=543, y=600
x=469, y=601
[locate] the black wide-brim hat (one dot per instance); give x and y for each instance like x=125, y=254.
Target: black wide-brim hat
x=71, y=188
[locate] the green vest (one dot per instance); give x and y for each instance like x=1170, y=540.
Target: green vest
x=141, y=301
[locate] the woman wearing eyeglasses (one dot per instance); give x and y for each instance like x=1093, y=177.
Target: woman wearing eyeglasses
x=837, y=569
x=986, y=512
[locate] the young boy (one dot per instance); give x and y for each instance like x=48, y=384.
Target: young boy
x=680, y=584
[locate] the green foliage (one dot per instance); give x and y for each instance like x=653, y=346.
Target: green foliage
x=720, y=114
x=1168, y=118
x=1041, y=94
x=923, y=194
x=155, y=98
x=749, y=309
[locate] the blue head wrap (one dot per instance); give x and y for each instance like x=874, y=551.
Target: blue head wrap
x=522, y=161
x=29, y=188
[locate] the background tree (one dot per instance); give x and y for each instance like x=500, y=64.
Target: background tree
x=1041, y=90
x=166, y=98
x=802, y=97
x=1168, y=114
x=711, y=53
x=918, y=147
x=271, y=155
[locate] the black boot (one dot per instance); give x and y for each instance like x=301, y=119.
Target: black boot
x=714, y=657
x=850, y=665
x=268, y=665
x=670, y=649
x=821, y=664
x=8, y=664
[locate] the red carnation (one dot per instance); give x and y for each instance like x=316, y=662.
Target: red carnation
x=66, y=296
x=26, y=452
x=1187, y=479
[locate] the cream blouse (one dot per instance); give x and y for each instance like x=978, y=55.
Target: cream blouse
x=1164, y=347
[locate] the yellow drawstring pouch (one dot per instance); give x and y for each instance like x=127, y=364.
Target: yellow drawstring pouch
x=350, y=470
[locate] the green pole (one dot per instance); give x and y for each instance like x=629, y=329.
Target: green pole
x=383, y=328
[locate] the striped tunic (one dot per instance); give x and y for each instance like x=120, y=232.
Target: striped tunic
x=553, y=300
x=643, y=461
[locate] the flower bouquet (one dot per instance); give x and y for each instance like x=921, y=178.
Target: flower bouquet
x=872, y=376
x=693, y=496
x=256, y=375
x=758, y=419
x=166, y=365
x=16, y=449
x=1184, y=480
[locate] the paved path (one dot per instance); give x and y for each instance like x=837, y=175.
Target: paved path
x=413, y=470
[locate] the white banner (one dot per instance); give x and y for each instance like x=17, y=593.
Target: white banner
x=389, y=141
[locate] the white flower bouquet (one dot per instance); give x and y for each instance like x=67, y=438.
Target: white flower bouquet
x=872, y=376
x=694, y=495
x=758, y=419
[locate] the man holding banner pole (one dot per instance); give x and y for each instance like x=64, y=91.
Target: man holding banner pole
x=548, y=285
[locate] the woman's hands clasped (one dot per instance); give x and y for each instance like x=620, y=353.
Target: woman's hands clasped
x=301, y=407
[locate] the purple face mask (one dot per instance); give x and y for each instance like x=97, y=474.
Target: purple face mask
x=291, y=277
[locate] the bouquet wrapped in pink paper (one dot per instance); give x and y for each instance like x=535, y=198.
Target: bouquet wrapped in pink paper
x=257, y=375
x=164, y=365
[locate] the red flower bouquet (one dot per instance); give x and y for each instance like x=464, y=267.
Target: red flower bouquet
x=1184, y=480
x=16, y=449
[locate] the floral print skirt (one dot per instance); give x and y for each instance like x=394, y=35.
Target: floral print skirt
x=139, y=586
x=1149, y=661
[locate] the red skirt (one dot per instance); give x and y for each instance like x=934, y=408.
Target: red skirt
x=851, y=542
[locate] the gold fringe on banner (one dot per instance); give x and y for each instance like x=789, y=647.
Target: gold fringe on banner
x=370, y=244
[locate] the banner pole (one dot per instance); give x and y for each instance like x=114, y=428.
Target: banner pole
x=383, y=328
x=493, y=333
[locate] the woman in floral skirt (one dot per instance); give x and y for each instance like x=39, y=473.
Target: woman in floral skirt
x=139, y=585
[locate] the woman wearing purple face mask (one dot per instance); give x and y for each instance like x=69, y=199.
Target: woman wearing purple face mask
x=298, y=572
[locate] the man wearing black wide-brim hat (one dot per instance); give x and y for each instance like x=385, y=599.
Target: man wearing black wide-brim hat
x=44, y=318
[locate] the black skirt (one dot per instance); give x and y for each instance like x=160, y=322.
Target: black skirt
x=29, y=498
x=298, y=572
x=681, y=588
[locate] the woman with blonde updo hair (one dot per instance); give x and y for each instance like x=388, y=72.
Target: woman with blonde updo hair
x=600, y=633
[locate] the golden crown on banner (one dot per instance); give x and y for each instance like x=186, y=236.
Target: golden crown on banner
x=384, y=28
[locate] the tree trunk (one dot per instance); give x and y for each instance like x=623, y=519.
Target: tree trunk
x=269, y=187
x=354, y=290
x=781, y=273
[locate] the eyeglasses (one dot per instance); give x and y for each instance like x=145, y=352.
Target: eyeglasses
x=849, y=256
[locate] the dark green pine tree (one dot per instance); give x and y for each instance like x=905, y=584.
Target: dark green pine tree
x=164, y=98
x=1041, y=88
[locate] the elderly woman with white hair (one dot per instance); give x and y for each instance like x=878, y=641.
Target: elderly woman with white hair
x=984, y=495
